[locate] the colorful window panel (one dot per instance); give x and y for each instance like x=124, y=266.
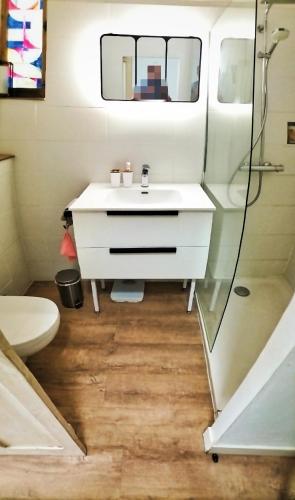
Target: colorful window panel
x=25, y=42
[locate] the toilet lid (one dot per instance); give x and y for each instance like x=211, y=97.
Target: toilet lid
x=26, y=318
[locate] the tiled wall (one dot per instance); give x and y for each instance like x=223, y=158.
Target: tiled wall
x=14, y=275
x=270, y=229
x=73, y=137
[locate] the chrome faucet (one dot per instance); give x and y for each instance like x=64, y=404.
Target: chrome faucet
x=145, y=176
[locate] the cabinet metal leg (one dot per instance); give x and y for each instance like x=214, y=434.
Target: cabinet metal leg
x=94, y=296
x=184, y=284
x=102, y=284
x=191, y=296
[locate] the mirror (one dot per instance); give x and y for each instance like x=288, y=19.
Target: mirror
x=143, y=68
x=116, y=67
x=187, y=53
x=151, y=82
x=235, y=79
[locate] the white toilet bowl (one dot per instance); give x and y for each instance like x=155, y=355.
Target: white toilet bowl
x=28, y=323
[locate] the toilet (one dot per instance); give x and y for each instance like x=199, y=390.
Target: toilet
x=28, y=323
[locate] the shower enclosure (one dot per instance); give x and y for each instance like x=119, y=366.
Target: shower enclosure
x=228, y=154
x=250, y=177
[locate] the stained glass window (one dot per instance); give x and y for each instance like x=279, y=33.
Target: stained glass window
x=24, y=43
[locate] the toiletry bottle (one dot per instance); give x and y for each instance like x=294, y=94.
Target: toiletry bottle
x=127, y=175
x=115, y=176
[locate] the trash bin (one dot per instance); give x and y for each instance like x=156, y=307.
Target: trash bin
x=70, y=289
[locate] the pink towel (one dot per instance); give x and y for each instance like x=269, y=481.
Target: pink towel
x=67, y=248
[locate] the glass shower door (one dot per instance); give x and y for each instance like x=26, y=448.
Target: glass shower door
x=226, y=175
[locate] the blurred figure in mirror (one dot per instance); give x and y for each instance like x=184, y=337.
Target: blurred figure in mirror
x=153, y=87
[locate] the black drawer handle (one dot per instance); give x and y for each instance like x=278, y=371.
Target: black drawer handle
x=143, y=250
x=143, y=213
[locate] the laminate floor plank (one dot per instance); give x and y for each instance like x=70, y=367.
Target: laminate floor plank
x=172, y=331
x=132, y=382
x=198, y=478
x=97, y=476
x=147, y=390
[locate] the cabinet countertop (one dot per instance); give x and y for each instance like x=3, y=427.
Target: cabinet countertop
x=101, y=197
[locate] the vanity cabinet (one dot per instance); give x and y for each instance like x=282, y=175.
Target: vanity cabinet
x=143, y=263
x=142, y=243
x=131, y=228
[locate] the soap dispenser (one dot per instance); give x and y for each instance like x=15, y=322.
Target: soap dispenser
x=127, y=175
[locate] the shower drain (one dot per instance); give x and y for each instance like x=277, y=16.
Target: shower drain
x=242, y=291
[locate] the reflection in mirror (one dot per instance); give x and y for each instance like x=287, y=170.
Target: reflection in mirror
x=117, y=65
x=150, y=68
x=183, y=68
x=235, y=72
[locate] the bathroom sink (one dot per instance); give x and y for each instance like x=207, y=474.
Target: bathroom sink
x=144, y=196
x=102, y=197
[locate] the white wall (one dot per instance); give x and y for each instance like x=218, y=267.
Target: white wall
x=270, y=229
x=14, y=275
x=73, y=137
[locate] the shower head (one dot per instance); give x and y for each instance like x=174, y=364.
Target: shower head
x=278, y=35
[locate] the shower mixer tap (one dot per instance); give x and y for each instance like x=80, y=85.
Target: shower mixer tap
x=265, y=167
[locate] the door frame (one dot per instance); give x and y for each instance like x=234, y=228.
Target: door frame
x=28, y=393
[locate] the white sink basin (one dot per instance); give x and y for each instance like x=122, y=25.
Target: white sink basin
x=102, y=197
x=144, y=196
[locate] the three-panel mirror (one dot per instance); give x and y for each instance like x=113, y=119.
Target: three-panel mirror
x=142, y=68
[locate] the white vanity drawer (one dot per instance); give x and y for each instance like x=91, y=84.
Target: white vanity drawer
x=97, y=229
x=187, y=262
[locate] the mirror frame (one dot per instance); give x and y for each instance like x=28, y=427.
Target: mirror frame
x=136, y=38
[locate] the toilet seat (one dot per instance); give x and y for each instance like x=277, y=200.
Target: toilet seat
x=28, y=323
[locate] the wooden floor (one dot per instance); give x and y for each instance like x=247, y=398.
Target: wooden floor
x=133, y=384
